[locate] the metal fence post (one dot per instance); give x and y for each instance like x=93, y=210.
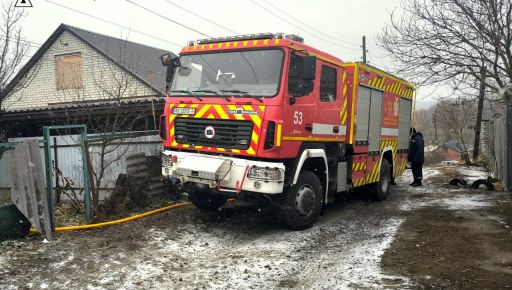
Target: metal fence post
x=48, y=168
x=87, y=190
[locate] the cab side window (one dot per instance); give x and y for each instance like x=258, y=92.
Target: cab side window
x=295, y=82
x=328, y=84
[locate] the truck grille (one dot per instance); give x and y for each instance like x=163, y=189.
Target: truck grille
x=229, y=134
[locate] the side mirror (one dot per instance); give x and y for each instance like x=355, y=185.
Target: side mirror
x=309, y=68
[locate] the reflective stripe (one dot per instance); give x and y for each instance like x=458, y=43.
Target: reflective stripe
x=328, y=129
x=389, y=131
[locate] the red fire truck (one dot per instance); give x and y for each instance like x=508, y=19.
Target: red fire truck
x=266, y=115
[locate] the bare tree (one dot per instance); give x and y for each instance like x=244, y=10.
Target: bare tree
x=13, y=51
x=460, y=43
x=105, y=107
x=448, y=41
x=457, y=117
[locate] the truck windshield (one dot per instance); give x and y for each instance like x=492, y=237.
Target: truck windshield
x=236, y=73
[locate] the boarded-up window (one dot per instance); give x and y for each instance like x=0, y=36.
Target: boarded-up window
x=68, y=71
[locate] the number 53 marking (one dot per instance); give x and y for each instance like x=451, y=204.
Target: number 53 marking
x=297, y=118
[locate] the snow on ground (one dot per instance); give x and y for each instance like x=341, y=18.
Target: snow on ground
x=444, y=196
x=472, y=173
x=459, y=202
x=360, y=268
x=189, y=249
x=215, y=261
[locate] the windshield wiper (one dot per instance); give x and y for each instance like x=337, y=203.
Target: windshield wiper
x=243, y=93
x=186, y=92
x=206, y=91
x=181, y=91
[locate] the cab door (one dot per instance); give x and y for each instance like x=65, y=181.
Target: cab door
x=299, y=104
x=327, y=124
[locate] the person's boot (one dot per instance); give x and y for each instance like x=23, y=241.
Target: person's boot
x=392, y=181
x=416, y=183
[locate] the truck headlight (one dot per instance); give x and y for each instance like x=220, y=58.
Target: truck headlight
x=265, y=173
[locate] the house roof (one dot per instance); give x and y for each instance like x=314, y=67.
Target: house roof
x=141, y=61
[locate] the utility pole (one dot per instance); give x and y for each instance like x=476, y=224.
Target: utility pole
x=364, y=49
x=479, y=112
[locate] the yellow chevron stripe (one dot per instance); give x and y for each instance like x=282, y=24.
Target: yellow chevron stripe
x=250, y=151
x=254, y=137
x=380, y=82
x=202, y=111
x=381, y=85
x=211, y=116
x=375, y=171
x=221, y=112
x=255, y=118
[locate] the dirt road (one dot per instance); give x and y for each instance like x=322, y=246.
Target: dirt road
x=418, y=238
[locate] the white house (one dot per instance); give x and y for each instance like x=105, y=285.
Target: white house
x=77, y=70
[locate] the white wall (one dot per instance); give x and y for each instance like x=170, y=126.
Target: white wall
x=99, y=75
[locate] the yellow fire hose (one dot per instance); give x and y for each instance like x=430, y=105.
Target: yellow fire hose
x=114, y=222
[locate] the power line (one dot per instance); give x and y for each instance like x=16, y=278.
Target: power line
x=115, y=24
x=204, y=18
x=309, y=26
x=34, y=44
x=292, y=24
x=167, y=18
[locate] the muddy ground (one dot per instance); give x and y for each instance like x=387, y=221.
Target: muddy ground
x=434, y=237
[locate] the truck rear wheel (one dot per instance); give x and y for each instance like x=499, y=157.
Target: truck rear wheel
x=380, y=189
x=301, y=203
x=204, y=198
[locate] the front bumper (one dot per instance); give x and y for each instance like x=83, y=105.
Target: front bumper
x=224, y=173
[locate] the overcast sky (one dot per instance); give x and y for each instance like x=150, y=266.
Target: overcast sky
x=335, y=26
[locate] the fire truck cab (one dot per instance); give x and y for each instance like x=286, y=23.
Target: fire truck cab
x=267, y=115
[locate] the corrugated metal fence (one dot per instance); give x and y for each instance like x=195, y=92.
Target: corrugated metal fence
x=498, y=143
x=69, y=157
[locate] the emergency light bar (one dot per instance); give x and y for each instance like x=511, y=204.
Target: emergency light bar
x=247, y=37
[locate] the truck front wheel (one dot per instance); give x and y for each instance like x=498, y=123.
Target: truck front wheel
x=301, y=202
x=204, y=198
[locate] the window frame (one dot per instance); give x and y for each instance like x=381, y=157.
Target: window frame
x=335, y=84
x=60, y=79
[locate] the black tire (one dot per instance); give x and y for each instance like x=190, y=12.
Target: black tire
x=482, y=184
x=380, y=190
x=458, y=182
x=204, y=198
x=301, y=203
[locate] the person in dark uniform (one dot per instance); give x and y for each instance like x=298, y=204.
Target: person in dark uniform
x=416, y=156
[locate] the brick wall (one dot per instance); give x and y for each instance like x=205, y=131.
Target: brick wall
x=102, y=79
